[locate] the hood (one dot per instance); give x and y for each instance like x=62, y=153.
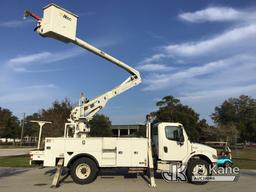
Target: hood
x=203, y=148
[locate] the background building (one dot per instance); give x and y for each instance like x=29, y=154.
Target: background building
x=126, y=130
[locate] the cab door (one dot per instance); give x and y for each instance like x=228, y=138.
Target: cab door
x=173, y=144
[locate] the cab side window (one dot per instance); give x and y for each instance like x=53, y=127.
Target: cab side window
x=173, y=133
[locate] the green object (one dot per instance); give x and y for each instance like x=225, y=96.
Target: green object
x=14, y=161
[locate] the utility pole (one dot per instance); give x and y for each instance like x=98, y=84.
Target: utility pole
x=22, y=128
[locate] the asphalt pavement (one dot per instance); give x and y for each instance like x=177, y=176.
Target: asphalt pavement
x=34, y=179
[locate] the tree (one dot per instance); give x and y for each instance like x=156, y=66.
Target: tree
x=31, y=129
x=141, y=132
x=58, y=114
x=9, y=124
x=206, y=132
x=240, y=114
x=100, y=126
x=172, y=110
x=228, y=133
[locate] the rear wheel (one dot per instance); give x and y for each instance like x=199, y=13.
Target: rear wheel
x=197, y=167
x=83, y=171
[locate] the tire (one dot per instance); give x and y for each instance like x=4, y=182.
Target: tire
x=201, y=167
x=84, y=171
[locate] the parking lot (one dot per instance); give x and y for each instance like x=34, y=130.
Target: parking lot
x=34, y=179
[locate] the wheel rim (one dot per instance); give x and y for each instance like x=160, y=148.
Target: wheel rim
x=200, y=170
x=83, y=171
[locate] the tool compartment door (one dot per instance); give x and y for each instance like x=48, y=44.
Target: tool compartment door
x=124, y=152
x=139, y=152
x=109, y=151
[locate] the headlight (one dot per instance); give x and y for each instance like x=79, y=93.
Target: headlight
x=214, y=157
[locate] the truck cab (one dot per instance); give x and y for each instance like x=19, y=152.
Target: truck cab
x=171, y=146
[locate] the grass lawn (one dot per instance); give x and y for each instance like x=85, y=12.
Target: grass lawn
x=14, y=161
x=244, y=164
x=244, y=158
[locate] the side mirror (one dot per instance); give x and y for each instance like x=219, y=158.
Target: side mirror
x=181, y=138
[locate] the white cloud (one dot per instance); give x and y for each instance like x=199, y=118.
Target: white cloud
x=24, y=70
x=212, y=14
x=208, y=69
x=230, y=56
x=20, y=63
x=34, y=96
x=150, y=67
x=14, y=23
x=229, y=91
x=29, y=99
x=222, y=68
x=232, y=41
x=40, y=86
x=154, y=57
x=240, y=37
x=213, y=66
x=227, y=41
x=21, y=94
x=27, y=59
x=204, y=101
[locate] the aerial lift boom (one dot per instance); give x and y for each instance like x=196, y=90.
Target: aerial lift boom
x=84, y=112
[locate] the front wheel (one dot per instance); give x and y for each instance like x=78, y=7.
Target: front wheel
x=83, y=171
x=195, y=169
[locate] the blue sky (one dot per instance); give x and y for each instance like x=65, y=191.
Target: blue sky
x=201, y=52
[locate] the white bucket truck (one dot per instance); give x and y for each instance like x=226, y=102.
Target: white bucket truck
x=85, y=155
